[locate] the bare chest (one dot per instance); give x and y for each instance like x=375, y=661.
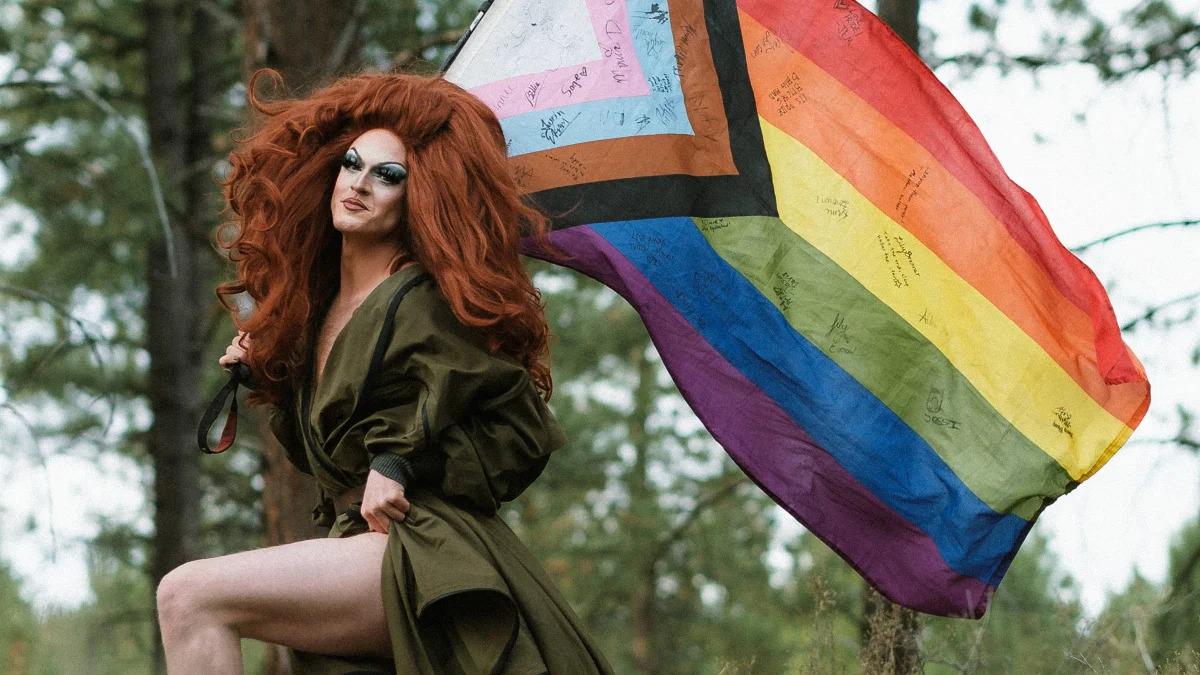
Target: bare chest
x=335, y=321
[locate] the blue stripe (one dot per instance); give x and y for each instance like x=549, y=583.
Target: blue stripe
x=662, y=111
x=861, y=433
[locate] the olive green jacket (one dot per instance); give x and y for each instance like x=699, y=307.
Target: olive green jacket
x=414, y=393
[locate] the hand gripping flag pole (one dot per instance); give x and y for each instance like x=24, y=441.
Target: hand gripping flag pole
x=483, y=8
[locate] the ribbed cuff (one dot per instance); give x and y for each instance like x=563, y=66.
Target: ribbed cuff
x=396, y=467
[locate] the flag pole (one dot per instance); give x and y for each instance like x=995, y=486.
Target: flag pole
x=466, y=34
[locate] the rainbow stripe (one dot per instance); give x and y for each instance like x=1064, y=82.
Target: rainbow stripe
x=875, y=322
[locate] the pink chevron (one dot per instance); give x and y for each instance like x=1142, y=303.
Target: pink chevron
x=617, y=74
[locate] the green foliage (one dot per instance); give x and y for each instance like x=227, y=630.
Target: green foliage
x=1177, y=626
x=981, y=19
x=1032, y=624
x=18, y=626
x=433, y=21
x=1156, y=35
x=109, y=635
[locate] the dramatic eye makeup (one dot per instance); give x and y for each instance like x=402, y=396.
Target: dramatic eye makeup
x=390, y=173
x=351, y=160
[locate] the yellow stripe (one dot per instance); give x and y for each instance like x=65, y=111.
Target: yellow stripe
x=1008, y=368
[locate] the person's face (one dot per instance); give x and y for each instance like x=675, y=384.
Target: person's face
x=368, y=197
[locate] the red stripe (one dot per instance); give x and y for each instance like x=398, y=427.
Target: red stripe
x=870, y=60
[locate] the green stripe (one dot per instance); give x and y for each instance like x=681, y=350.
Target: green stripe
x=893, y=361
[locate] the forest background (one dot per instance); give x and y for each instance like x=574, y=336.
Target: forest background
x=115, y=117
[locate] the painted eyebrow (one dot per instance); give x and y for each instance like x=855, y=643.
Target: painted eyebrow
x=390, y=161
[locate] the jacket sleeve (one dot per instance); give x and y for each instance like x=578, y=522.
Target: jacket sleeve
x=439, y=391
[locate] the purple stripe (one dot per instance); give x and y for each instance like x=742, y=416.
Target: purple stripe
x=891, y=553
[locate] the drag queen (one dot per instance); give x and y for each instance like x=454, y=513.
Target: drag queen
x=400, y=348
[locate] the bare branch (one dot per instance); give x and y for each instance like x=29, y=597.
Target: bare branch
x=341, y=50
x=1131, y=230
x=133, y=132
x=41, y=457
x=90, y=339
x=1176, y=48
x=408, y=57
x=1139, y=636
x=665, y=542
x=226, y=19
x=1186, y=442
x=9, y=146
x=1148, y=315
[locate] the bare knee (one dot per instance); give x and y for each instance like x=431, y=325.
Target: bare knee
x=182, y=599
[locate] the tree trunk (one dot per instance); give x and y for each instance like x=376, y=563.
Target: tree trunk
x=642, y=507
x=888, y=632
x=308, y=42
x=901, y=15
x=174, y=330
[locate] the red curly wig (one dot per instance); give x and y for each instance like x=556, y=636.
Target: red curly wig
x=464, y=218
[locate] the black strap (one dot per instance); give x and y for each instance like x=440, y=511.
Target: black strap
x=387, y=329
x=240, y=374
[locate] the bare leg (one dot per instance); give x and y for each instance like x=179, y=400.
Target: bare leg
x=321, y=595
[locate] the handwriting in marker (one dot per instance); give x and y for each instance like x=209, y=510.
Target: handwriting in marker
x=840, y=340
x=933, y=402
x=897, y=258
x=653, y=248
x=531, y=93
x=503, y=98
x=943, y=421
x=657, y=14
x=521, y=174
x=650, y=41
x=570, y=166
x=667, y=113
x=769, y=43
x=619, y=64
x=1062, y=421
x=934, y=413
x=789, y=94
x=785, y=290
x=912, y=187
x=660, y=84
x=576, y=81
x=850, y=26
x=554, y=126
x=683, y=49
x=837, y=208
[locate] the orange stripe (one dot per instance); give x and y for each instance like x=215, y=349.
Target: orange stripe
x=906, y=182
x=869, y=60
